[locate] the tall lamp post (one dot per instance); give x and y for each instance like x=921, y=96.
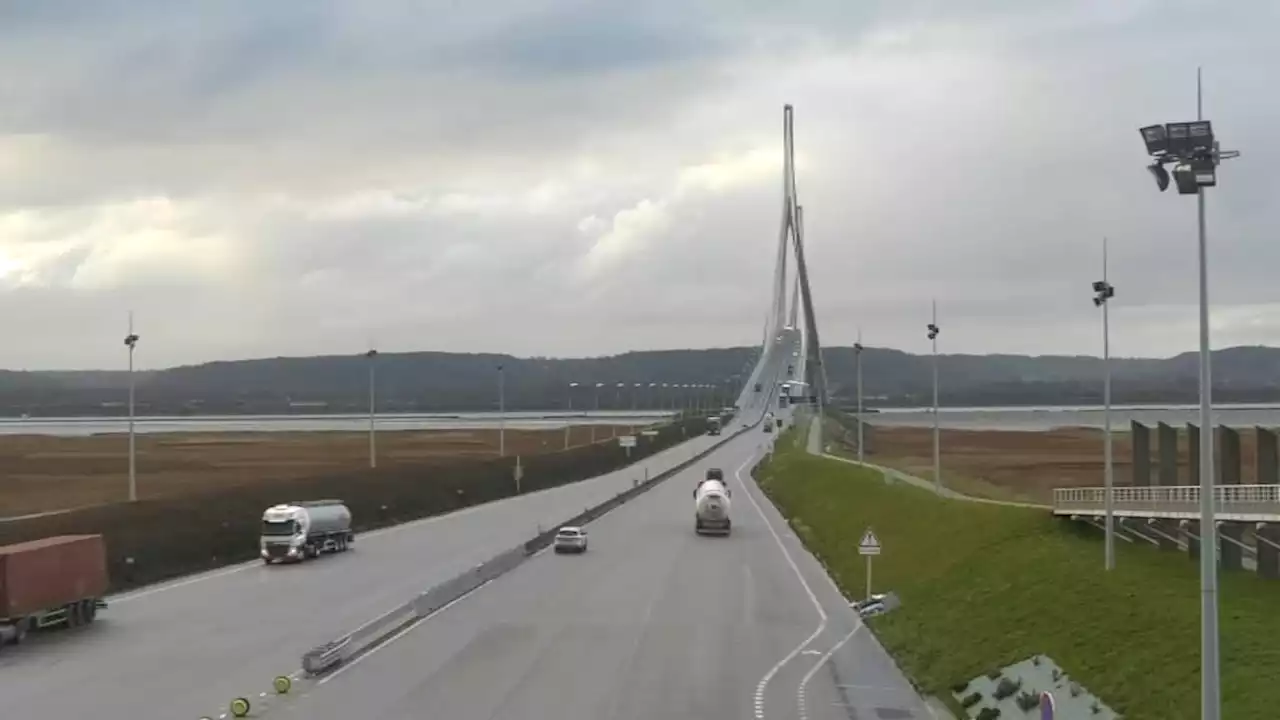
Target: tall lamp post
x=1103, y=291
x=857, y=371
x=131, y=341
x=502, y=412
x=937, y=445
x=372, y=355
x=597, y=417
x=1195, y=155
x=568, y=424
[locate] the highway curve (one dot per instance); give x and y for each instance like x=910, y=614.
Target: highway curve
x=184, y=649
x=652, y=622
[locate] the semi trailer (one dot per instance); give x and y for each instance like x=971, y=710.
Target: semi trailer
x=52, y=582
x=296, y=531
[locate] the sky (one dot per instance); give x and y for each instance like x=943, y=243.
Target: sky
x=573, y=178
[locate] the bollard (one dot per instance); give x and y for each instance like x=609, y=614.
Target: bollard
x=240, y=707
x=282, y=684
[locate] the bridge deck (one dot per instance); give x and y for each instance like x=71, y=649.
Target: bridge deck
x=1233, y=503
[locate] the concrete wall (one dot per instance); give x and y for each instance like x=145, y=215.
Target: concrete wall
x=1141, y=454
x=1267, y=469
x=1228, y=460
x=1167, y=451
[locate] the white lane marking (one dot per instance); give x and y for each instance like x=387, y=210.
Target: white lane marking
x=241, y=567
x=822, y=614
x=804, y=682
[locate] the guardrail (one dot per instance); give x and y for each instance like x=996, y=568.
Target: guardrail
x=1239, y=503
x=324, y=658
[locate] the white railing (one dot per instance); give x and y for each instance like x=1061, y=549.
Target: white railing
x=1241, y=502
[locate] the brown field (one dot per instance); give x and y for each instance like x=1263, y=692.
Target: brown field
x=1025, y=466
x=39, y=473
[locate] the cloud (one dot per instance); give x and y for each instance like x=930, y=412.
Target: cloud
x=560, y=177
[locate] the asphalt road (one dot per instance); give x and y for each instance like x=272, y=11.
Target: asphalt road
x=652, y=622
x=185, y=649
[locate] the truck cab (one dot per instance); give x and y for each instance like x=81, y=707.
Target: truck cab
x=713, y=426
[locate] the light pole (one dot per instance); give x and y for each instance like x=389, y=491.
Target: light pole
x=593, y=420
x=1195, y=155
x=857, y=371
x=1102, y=292
x=937, y=445
x=502, y=412
x=131, y=341
x=568, y=424
x=635, y=396
x=372, y=355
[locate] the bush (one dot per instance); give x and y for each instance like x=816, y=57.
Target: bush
x=971, y=699
x=1006, y=688
x=988, y=714
x=153, y=540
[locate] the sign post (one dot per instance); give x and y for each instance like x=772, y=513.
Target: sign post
x=868, y=547
x=628, y=442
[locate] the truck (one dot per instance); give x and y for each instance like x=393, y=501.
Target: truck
x=296, y=531
x=51, y=582
x=713, y=425
x=711, y=504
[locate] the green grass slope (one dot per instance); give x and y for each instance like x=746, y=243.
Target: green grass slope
x=985, y=586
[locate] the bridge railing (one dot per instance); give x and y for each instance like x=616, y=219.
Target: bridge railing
x=1231, y=502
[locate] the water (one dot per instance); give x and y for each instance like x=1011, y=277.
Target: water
x=1038, y=419
x=73, y=427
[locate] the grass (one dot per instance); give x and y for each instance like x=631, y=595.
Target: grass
x=985, y=586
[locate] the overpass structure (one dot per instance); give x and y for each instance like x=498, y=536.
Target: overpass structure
x=653, y=622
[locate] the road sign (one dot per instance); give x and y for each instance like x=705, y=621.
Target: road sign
x=627, y=441
x=870, y=544
x=1046, y=705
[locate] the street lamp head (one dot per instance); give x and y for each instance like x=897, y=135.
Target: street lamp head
x=857, y=347
x=933, y=331
x=371, y=354
x=1156, y=139
x=1160, y=174
x=130, y=340
x=1194, y=174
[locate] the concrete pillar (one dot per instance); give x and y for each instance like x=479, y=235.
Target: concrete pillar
x=1193, y=454
x=1167, y=450
x=1228, y=465
x=1267, y=469
x=1189, y=534
x=1268, y=556
x=1141, y=440
x=1231, y=555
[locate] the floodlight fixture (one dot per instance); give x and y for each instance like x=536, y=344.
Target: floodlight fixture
x=1156, y=139
x=1160, y=174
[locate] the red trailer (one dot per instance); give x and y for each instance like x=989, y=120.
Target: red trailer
x=51, y=582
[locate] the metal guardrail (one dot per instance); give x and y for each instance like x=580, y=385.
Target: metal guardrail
x=1239, y=503
x=330, y=655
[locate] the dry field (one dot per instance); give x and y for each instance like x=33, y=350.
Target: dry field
x=39, y=473
x=1024, y=466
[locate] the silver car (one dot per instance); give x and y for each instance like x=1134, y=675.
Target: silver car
x=571, y=539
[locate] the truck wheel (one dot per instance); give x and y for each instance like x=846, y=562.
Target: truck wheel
x=20, y=631
x=89, y=611
x=73, y=615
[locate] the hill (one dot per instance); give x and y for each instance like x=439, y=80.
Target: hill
x=445, y=382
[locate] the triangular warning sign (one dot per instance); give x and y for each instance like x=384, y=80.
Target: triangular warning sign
x=869, y=540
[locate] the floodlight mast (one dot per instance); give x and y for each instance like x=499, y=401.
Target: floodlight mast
x=1103, y=291
x=372, y=355
x=937, y=444
x=1195, y=154
x=131, y=341
x=857, y=365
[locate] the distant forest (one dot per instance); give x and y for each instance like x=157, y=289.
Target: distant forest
x=456, y=382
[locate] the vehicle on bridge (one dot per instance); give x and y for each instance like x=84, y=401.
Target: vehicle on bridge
x=296, y=531
x=571, y=539
x=713, y=425
x=711, y=504
x=51, y=582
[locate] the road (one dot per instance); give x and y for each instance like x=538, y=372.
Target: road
x=185, y=649
x=652, y=622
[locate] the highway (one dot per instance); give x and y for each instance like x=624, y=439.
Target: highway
x=186, y=648
x=652, y=622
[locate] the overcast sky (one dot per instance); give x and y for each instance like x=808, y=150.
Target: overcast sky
x=564, y=177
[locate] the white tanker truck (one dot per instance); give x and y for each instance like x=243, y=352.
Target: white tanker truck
x=711, y=504
x=296, y=531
